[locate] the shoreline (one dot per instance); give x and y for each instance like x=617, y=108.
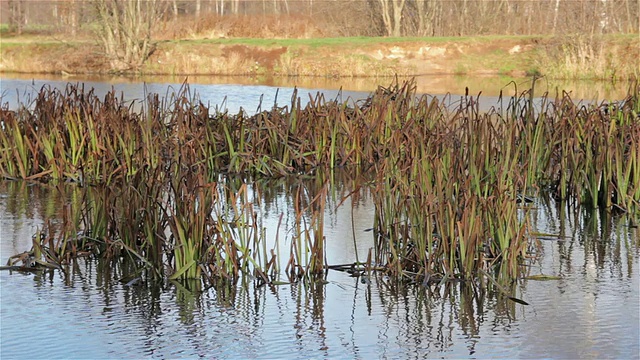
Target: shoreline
x=609, y=57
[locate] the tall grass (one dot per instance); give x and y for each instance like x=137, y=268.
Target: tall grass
x=447, y=182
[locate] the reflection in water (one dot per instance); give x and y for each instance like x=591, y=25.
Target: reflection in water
x=597, y=298
x=345, y=317
x=95, y=308
x=234, y=92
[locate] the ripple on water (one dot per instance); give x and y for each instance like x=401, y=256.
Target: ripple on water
x=592, y=312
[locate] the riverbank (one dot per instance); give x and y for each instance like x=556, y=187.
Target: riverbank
x=606, y=57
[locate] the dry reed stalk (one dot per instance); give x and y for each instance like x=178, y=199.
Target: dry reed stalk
x=446, y=184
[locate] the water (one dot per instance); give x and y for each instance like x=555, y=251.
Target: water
x=593, y=311
x=229, y=97
x=457, y=85
x=234, y=93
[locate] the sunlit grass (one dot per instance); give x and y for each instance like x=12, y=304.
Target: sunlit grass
x=447, y=183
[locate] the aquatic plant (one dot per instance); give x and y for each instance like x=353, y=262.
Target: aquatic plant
x=448, y=183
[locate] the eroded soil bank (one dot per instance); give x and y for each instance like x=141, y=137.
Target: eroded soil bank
x=611, y=57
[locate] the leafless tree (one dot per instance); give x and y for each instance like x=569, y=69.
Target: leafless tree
x=334, y=17
x=125, y=28
x=17, y=16
x=174, y=7
x=392, y=16
x=428, y=15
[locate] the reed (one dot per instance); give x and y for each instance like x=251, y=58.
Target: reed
x=447, y=182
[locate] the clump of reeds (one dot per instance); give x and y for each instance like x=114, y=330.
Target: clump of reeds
x=447, y=181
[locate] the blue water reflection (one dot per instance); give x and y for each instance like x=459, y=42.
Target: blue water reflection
x=592, y=312
x=224, y=97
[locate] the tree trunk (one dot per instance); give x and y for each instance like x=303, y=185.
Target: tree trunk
x=426, y=17
x=286, y=6
x=175, y=10
x=73, y=17
x=604, y=17
x=386, y=16
x=16, y=16
x=235, y=6
x=555, y=16
x=398, y=7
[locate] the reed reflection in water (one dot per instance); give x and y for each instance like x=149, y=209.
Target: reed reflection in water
x=92, y=308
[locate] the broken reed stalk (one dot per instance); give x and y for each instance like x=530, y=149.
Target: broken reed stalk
x=446, y=181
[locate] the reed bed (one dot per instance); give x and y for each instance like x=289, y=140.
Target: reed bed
x=448, y=184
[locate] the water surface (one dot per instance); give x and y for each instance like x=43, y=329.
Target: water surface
x=591, y=312
x=235, y=92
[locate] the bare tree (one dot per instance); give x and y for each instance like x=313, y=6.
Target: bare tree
x=604, y=16
x=429, y=16
x=219, y=6
x=555, y=16
x=73, y=17
x=198, y=8
x=67, y=15
x=392, y=16
x=129, y=21
x=17, y=17
x=125, y=31
x=174, y=7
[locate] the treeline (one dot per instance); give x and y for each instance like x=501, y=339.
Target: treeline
x=334, y=18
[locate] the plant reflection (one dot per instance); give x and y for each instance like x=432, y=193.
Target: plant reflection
x=426, y=318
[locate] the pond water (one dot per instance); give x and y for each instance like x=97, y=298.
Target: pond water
x=592, y=311
x=488, y=85
x=233, y=93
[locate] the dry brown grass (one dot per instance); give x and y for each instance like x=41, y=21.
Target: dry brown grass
x=194, y=63
x=590, y=57
x=292, y=63
x=51, y=57
x=213, y=26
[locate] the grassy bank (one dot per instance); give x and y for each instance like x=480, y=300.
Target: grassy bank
x=578, y=57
